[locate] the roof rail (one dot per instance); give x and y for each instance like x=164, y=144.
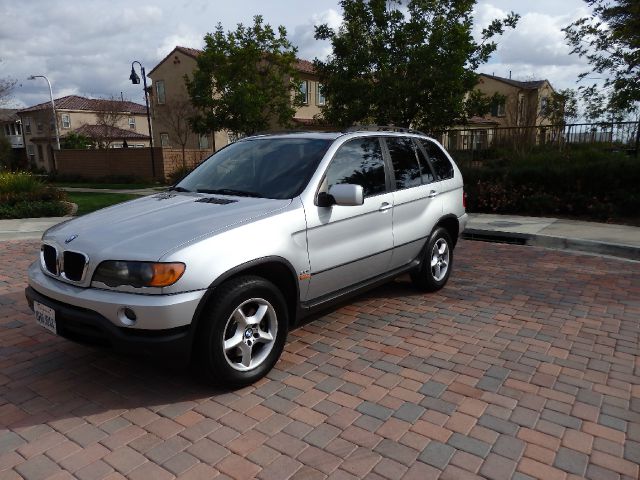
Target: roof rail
x=381, y=128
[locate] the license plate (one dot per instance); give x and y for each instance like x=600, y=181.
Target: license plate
x=45, y=316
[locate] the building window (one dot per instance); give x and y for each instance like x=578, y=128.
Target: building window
x=27, y=125
x=544, y=105
x=160, y=96
x=498, y=109
x=66, y=120
x=7, y=129
x=39, y=126
x=203, y=142
x=132, y=123
x=164, y=139
x=304, y=91
x=320, y=95
x=31, y=152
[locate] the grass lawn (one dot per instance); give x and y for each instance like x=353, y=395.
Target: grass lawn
x=89, y=202
x=110, y=186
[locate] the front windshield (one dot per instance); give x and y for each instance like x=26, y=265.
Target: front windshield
x=261, y=167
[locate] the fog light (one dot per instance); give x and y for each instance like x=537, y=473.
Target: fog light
x=127, y=316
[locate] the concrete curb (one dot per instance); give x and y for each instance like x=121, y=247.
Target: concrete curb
x=629, y=252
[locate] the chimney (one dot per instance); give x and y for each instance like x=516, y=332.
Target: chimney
x=509, y=74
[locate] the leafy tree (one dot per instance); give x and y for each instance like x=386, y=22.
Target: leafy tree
x=479, y=104
x=404, y=62
x=600, y=106
x=610, y=40
x=244, y=80
x=562, y=106
x=75, y=141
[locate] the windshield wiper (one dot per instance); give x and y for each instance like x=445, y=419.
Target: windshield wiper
x=229, y=191
x=179, y=189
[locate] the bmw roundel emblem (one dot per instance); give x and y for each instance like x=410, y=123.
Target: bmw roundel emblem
x=71, y=238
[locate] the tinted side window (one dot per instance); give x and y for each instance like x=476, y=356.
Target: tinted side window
x=439, y=160
x=427, y=173
x=359, y=162
x=405, y=162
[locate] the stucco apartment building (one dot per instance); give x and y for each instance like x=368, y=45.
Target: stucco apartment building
x=524, y=105
x=169, y=95
x=111, y=123
x=525, y=101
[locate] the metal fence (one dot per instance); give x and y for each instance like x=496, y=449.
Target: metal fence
x=623, y=135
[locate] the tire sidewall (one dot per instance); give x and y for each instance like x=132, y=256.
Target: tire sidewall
x=423, y=278
x=233, y=294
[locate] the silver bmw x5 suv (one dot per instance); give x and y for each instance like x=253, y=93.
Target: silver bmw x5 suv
x=263, y=233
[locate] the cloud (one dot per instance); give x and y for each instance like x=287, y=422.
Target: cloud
x=536, y=48
x=87, y=46
x=304, y=35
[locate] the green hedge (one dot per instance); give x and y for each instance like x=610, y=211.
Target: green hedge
x=23, y=195
x=589, y=182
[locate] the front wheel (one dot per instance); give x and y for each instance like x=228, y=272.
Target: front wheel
x=437, y=261
x=244, y=332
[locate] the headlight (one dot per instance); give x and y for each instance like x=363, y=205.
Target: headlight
x=138, y=274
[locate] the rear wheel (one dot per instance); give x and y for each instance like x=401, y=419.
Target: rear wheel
x=244, y=331
x=436, y=264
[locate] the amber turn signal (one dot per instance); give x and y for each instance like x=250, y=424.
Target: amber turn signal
x=165, y=274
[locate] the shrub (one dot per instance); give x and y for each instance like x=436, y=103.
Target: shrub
x=178, y=174
x=587, y=182
x=24, y=195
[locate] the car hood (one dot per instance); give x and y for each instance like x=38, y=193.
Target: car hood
x=147, y=228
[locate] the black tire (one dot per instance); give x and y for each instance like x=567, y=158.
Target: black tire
x=222, y=366
x=424, y=278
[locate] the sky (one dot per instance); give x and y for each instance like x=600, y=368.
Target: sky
x=85, y=47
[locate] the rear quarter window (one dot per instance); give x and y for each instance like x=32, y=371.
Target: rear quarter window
x=441, y=164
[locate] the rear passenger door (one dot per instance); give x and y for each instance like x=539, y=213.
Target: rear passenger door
x=417, y=205
x=448, y=186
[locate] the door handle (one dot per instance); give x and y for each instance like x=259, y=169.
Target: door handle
x=432, y=194
x=384, y=207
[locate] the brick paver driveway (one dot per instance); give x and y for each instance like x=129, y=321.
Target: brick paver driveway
x=526, y=365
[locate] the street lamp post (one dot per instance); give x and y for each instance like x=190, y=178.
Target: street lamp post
x=53, y=108
x=135, y=79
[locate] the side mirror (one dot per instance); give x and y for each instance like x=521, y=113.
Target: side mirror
x=347, y=195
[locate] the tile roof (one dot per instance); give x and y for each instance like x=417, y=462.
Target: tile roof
x=303, y=66
x=529, y=85
x=8, y=115
x=75, y=102
x=104, y=131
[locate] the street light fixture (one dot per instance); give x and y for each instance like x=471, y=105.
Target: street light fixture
x=135, y=79
x=53, y=108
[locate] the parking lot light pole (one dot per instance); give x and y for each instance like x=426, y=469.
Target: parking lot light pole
x=135, y=79
x=53, y=108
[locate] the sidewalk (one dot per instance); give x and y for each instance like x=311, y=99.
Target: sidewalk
x=615, y=240
x=601, y=238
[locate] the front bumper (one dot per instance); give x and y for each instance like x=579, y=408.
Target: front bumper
x=164, y=325
x=87, y=326
x=153, y=312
